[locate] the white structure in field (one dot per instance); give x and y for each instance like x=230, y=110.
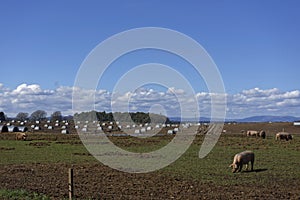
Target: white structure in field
x=143, y=130
x=137, y=131
x=13, y=129
x=65, y=131
x=297, y=123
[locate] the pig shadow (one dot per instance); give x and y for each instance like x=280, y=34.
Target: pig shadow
x=255, y=170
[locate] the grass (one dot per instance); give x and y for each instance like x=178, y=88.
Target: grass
x=21, y=194
x=41, y=151
x=275, y=161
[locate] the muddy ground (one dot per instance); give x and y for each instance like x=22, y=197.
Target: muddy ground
x=100, y=182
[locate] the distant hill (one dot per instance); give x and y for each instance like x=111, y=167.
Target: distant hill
x=178, y=119
x=267, y=118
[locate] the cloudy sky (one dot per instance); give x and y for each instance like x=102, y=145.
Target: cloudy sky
x=254, y=44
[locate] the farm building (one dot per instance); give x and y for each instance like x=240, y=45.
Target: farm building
x=3, y=128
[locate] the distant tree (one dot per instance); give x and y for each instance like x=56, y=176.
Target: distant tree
x=56, y=116
x=2, y=116
x=22, y=116
x=38, y=115
x=138, y=117
x=86, y=116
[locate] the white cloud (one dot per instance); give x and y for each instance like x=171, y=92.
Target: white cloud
x=289, y=102
x=256, y=101
x=264, y=102
x=25, y=89
x=256, y=92
x=175, y=91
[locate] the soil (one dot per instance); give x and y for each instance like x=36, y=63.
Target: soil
x=97, y=181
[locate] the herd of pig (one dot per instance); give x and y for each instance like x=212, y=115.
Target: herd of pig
x=246, y=157
x=240, y=159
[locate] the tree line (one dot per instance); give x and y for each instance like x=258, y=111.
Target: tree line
x=37, y=115
x=136, y=117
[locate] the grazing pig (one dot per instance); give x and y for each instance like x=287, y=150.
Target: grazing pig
x=283, y=136
x=242, y=158
x=252, y=133
x=262, y=134
x=21, y=136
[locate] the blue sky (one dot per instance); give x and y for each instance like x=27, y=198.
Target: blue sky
x=255, y=44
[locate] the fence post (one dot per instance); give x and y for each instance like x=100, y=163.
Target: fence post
x=71, y=186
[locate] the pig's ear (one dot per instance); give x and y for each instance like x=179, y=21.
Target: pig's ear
x=231, y=165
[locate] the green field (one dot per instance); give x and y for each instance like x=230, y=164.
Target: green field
x=276, y=162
